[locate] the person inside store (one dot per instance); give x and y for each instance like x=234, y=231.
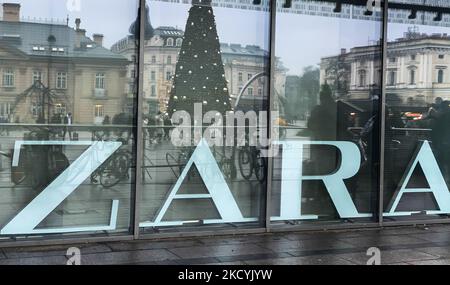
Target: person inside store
x=322, y=122
x=435, y=107
x=439, y=116
x=322, y=125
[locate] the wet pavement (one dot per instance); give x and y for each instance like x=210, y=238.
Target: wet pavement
x=399, y=246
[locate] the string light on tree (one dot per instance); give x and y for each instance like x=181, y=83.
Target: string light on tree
x=204, y=80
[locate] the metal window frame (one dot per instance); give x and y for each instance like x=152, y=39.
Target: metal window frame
x=272, y=68
x=139, y=124
x=382, y=111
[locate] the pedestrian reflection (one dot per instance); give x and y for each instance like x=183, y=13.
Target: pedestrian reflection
x=439, y=115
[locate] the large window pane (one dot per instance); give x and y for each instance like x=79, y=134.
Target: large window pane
x=202, y=63
x=326, y=90
x=66, y=133
x=417, y=112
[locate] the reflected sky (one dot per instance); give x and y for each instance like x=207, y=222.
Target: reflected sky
x=301, y=40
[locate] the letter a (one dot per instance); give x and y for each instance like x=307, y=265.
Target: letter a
x=214, y=181
x=435, y=180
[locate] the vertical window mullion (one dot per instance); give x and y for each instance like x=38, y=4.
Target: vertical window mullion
x=139, y=123
x=268, y=193
x=382, y=110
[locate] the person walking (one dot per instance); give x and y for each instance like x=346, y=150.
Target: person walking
x=440, y=136
x=322, y=125
x=68, y=120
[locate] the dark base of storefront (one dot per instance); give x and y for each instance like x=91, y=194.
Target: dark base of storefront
x=397, y=245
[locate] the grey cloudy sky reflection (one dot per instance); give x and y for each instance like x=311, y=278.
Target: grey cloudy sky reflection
x=301, y=40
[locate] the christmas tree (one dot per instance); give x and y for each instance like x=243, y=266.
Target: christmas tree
x=199, y=75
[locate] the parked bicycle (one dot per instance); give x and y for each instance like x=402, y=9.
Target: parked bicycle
x=114, y=169
x=251, y=162
x=180, y=160
x=38, y=165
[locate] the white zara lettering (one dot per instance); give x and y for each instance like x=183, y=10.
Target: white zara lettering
x=26, y=221
x=292, y=178
x=291, y=184
x=218, y=191
x=425, y=158
x=215, y=183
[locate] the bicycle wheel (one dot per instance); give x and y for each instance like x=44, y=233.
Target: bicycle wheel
x=114, y=170
x=245, y=163
x=260, y=167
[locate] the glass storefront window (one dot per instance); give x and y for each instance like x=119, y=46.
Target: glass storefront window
x=191, y=184
x=417, y=133
x=66, y=141
x=327, y=87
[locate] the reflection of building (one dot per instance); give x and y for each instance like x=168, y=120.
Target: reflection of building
x=417, y=69
x=86, y=78
x=160, y=58
x=241, y=64
x=355, y=74
x=161, y=54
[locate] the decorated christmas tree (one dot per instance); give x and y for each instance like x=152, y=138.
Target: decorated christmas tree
x=199, y=75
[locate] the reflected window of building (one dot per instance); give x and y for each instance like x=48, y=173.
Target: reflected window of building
x=249, y=76
x=392, y=77
x=440, y=76
x=412, y=76
x=240, y=77
x=61, y=80
x=60, y=109
x=413, y=57
x=5, y=110
x=178, y=42
x=168, y=75
x=8, y=78
x=169, y=42
x=259, y=91
x=37, y=76
x=250, y=91
x=99, y=111
x=441, y=56
x=153, y=91
x=362, y=78
x=392, y=59
x=153, y=75
x=35, y=109
x=100, y=81
x=153, y=59
x=169, y=59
